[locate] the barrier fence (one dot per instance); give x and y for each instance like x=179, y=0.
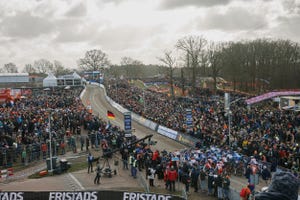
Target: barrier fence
x=25, y=154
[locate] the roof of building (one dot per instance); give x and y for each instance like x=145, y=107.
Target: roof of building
x=14, y=74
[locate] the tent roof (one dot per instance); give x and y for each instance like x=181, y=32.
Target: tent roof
x=75, y=75
x=51, y=76
x=70, y=76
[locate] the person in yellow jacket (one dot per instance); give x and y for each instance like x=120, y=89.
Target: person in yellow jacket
x=133, y=165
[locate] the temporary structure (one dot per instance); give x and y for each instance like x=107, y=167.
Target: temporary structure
x=69, y=80
x=50, y=81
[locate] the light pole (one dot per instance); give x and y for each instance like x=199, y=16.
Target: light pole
x=117, y=91
x=229, y=113
x=227, y=103
x=144, y=102
x=50, y=143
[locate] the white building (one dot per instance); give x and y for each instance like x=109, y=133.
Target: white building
x=14, y=77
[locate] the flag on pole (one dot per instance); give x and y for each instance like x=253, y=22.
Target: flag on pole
x=110, y=115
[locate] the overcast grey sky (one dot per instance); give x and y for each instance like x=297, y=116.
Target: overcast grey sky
x=142, y=29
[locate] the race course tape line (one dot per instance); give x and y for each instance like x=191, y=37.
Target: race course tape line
x=76, y=181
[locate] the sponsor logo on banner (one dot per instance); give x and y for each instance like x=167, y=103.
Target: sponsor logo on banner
x=11, y=195
x=127, y=124
x=145, y=196
x=189, y=118
x=167, y=132
x=73, y=195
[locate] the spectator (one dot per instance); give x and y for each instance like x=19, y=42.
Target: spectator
x=210, y=183
x=226, y=187
x=245, y=192
x=202, y=180
x=166, y=179
x=283, y=186
x=62, y=146
x=195, y=177
x=24, y=156
x=172, y=177
x=186, y=180
x=133, y=164
x=124, y=154
x=82, y=140
x=44, y=150
x=151, y=176
x=98, y=173
x=90, y=160
x=266, y=174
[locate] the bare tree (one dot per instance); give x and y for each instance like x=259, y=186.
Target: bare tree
x=10, y=68
x=193, y=46
x=59, y=69
x=214, y=59
x=132, y=67
x=43, y=66
x=94, y=60
x=170, y=62
x=130, y=61
x=29, y=69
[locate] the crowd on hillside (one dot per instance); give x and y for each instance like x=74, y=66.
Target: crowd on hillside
x=24, y=125
x=264, y=131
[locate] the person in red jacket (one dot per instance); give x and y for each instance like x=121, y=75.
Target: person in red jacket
x=172, y=177
x=155, y=158
x=166, y=179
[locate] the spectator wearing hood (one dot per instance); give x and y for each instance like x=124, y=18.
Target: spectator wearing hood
x=266, y=174
x=283, y=186
x=226, y=187
x=195, y=177
x=210, y=181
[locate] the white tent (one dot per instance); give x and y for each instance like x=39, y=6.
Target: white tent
x=69, y=79
x=76, y=76
x=50, y=81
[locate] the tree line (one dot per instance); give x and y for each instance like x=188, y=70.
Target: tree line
x=41, y=66
x=245, y=64
x=248, y=65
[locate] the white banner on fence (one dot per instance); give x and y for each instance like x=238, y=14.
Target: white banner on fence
x=167, y=132
x=143, y=121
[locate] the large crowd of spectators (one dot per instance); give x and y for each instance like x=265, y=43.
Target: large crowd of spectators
x=261, y=139
x=264, y=131
x=24, y=125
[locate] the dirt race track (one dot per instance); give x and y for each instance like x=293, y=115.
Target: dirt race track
x=81, y=180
